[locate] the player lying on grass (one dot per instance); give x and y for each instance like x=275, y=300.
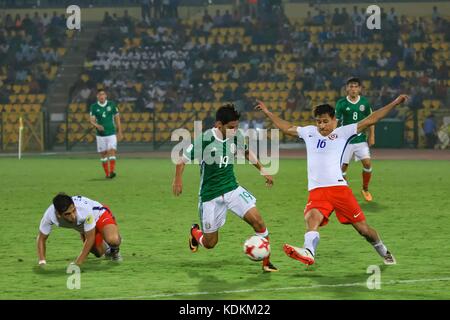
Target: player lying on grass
x=328, y=190
x=219, y=190
x=94, y=221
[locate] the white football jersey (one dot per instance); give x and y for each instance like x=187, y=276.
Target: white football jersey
x=88, y=213
x=324, y=154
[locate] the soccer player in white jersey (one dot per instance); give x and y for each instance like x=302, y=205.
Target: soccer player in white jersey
x=94, y=221
x=328, y=190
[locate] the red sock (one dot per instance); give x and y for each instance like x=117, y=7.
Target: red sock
x=112, y=163
x=366, y=178
x=105, y=166
x=197, y=234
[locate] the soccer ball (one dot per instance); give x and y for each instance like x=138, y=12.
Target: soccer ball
x=256, y=248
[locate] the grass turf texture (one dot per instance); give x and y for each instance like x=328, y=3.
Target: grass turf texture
x=410, y=211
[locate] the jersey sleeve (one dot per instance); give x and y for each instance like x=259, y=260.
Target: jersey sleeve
x=349, y=130
x=194, y=151
x=91, y=110
x=241, y=141
x=301, y=131
x=369, y=109
x=338, y=111
x=46, y=223
x=89, y=223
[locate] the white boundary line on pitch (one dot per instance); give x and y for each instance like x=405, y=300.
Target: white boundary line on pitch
x=356, y=284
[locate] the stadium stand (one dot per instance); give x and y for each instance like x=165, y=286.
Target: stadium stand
x=31, y=50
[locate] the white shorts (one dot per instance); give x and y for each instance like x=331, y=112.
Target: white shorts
x=360, y=150
x=106, y=143
x=213, y=213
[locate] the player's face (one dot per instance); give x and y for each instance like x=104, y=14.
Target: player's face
x=101, y=97
x=229, y=130
x=70, y=215
x=353, y=89
x=325, y=124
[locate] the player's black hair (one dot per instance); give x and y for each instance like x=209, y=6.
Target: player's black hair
x=324, y=109
x=62, y=202
x=101, y=90
x=353, y=80
x=227, y=113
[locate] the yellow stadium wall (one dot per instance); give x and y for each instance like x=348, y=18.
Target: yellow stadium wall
x=293, y=10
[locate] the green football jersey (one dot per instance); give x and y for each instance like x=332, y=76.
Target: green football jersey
x=216, y=157
x=348, y=112
x=105, y=117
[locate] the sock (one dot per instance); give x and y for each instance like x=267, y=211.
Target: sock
x=112, y=164
x=380, y=248
x=198, y=235
x=366, y=174
x=108, y=248
x=200, y=241
x=105, y=165
x=265, y=234
x=311, y=241
x=114, y=249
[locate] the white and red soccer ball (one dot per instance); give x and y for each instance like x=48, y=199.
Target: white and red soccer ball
x=256, y=248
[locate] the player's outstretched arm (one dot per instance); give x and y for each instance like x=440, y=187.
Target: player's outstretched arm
x=41, y=247
x=177, y=185
x=376, y=116
x=281, y=124
x=87, y=246
x=250, y=156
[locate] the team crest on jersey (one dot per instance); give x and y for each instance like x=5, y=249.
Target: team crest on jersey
x=108, y=108
x=362, y=108
x=332, y=136
x=89, y=219
x=207, y=225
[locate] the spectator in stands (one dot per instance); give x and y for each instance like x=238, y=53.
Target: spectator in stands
x=429, y=128
x=206, y=17
x=391, y=15
x=165, y=9
x=145, y=11
x=435, y=14
x=444, y=134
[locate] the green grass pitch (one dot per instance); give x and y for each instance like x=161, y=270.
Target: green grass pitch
x=410, y=211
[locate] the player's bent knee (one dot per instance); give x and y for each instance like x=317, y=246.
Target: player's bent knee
x=114, y=240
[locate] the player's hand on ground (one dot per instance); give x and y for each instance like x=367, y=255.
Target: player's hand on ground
x=401, y=98
x=261, y=106
x=269, y=180
x=177, y=188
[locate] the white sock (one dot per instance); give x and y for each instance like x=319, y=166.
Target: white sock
x=263, y=234
x=380, y=248
x=311, y=241
x=200, y=241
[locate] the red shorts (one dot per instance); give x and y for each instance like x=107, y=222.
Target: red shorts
x=337, y=198
x=105, y=219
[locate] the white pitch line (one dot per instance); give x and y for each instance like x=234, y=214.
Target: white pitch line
x=355, y=284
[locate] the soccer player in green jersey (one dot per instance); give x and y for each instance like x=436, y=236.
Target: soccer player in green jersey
x=216, y=150
x=352, y=109
x=105, y=118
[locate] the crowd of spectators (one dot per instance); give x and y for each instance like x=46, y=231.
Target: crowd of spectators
x=168, y=67
x=28, y=48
